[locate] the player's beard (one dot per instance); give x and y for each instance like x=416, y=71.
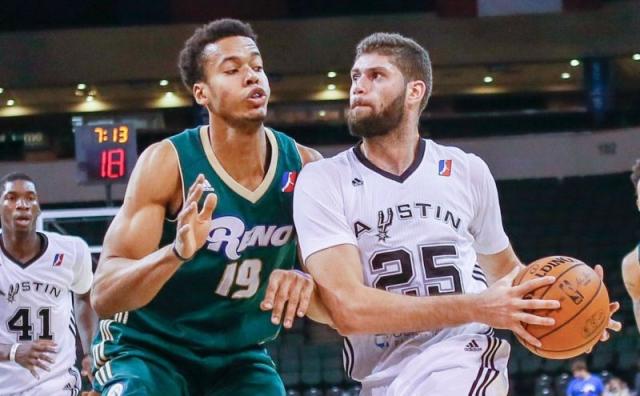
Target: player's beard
x=377, y=124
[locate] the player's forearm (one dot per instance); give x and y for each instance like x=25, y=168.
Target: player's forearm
x=317, y=310
x=124, y=284
x=86, y=320
x=371, y=311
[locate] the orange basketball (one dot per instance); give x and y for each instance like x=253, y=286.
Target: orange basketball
x=584, y=307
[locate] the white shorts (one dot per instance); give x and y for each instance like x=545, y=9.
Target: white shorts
x=469, y=364
x=67, y=383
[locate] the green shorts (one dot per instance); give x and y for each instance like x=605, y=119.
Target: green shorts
x=132, y=371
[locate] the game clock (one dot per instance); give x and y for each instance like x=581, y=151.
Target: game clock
x=105, y=153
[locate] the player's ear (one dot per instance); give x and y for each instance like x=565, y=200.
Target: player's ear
x=415, y=92
x=200, y=93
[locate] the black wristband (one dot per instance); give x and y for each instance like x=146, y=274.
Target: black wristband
x=175, y=251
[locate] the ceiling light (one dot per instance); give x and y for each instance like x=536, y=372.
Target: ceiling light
x=574, y=63
x=89, y=98
x=164, y=83
x=332, y=74
x=565, y=76
x=11, y=102
x=82, y=86
x=331, y=87
x=488, y=79
x=636, y=57
x=322, y=113
x=1, y=90
x=168, y=94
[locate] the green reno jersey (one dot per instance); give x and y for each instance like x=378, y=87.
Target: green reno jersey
x=211, y=305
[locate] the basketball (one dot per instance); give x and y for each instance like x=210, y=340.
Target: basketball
x=584, y=307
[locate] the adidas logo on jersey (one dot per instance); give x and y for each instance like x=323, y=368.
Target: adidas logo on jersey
x=230, y=233
x=206, y=186
x=356, y=182
x=472, y=347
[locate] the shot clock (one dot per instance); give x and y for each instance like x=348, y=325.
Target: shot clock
x=105, y=153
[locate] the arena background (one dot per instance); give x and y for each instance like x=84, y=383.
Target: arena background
x=546, y=91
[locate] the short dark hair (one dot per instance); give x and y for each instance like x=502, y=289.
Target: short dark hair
x=13, y=176
x=635, y=173
x=579, y=364
x=408, y=56
x=190, y=61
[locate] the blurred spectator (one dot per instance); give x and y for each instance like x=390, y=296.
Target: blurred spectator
x=616, y=387
x=584, y=383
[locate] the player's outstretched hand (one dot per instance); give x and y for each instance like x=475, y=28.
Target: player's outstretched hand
x=292, y=287
x=504, y=306
x=36, y=354
x=193, y=226
x=613, y=325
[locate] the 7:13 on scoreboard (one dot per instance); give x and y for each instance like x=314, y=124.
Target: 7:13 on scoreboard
x=105, y=153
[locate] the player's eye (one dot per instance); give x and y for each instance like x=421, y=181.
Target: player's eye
x=257, y=69
x=231, y=71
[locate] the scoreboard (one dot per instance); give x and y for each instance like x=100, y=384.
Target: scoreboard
x=105, y=153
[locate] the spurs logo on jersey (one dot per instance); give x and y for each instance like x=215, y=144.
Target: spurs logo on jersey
x=229, y=235
x=36, y=304
x=417, y=233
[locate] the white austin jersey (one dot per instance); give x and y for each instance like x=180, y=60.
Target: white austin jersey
x=36, y=303
x=417, y=234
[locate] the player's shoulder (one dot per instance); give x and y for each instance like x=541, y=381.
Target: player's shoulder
x=61, y=239
x=331, y=166
x=468, y=161
x=451, y=151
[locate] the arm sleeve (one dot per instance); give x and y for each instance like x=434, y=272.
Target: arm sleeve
x=486, y=226
x=318, y=211
x=83, y=269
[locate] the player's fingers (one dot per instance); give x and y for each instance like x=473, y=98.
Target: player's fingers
x=210, y=204
x=46, y=348
x=199, y=180
x=614, y=307
x=33, y=371
x=614, y=325
x=46, y=358
x=196, y=194
x=186, y=212
x=533, y=319
x=537, y=304
x=282, y=296
x=605, y=336
x=42, y=365
x=270, y=294
x=533, y=284
x=305, y=298
x=522, y=333
x=599, y=271
x=292, y=304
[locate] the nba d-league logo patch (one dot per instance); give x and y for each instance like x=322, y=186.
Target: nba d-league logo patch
x=57, y=259
x=288, y=181
x=444, y=167
x=116, y=390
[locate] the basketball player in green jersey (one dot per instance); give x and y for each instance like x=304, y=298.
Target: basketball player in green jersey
x=631, y=262
x=190, y=317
